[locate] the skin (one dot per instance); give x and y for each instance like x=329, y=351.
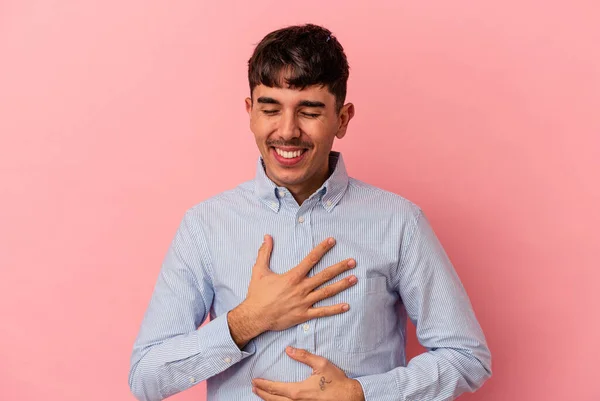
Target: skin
x=279, y=301
x=327, y=382
x=292, y=120
x=284, y=118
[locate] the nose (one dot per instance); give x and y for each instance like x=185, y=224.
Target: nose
x=288, y=126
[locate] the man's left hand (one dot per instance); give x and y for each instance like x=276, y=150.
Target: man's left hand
x=327, y=383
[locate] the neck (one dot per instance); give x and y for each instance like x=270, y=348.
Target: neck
x=302, y=192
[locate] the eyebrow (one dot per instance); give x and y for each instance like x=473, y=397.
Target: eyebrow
x=305, y=103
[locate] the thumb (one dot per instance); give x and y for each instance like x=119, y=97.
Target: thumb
x=263, y=260
x=317, y=363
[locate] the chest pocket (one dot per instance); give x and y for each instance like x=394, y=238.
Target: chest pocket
x=364, y=327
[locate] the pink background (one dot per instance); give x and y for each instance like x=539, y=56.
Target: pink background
x=115, y=117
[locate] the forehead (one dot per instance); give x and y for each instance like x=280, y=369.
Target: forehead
x=292, y=96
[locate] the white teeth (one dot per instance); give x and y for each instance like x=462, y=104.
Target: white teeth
x=288, y=155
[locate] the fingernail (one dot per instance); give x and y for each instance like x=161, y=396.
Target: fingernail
x=351, y=263
x=331, y=241
x=352, y=279
x=291, y=350
x=346, y=307
x=254, y=390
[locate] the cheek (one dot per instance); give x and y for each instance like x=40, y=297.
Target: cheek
x=321, y=134
x=257, y=129
x=261, y=127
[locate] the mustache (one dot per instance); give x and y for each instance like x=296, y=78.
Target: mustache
x=297, y=144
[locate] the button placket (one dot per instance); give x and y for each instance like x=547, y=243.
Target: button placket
x=305, y=334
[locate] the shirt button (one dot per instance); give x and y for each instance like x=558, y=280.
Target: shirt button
x=301, y=219
x=306, y=327
x=273, y=204
x=228, y=360
x=192, y=379
x=329, y=203
x=281, y=193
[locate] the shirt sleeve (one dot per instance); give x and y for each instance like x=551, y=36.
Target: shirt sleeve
x=171, y=353
x=458, y=358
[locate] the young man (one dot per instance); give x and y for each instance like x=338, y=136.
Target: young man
x=320, y=313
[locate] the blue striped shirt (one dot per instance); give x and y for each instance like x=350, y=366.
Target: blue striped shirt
x=402, y=270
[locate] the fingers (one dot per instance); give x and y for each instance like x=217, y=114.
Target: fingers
x=330, y=272
x=331, y=290
x=264, y=395
x=276, y=391
x=313, y=257
x=318, y=363
x=323, y=311
x=263, y=259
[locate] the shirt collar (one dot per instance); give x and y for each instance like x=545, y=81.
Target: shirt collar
x=329, y=193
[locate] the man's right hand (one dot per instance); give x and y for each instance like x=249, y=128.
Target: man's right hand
x=279, y=301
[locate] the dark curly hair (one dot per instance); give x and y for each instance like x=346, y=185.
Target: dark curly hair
x=302, y=55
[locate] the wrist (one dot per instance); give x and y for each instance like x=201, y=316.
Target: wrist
x=243, y=326
x=356, y=391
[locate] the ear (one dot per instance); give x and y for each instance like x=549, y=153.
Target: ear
x=346, y=114
x=248, y=105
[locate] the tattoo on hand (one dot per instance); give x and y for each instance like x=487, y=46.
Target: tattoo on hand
x=322, y=383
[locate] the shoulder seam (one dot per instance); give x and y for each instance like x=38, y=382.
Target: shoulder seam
x=374, y=189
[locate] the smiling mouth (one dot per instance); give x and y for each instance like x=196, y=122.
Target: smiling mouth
x=289, y=154
x=288, y=157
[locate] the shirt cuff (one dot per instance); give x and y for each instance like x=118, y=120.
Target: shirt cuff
x=213, y=352
x=380, y=387
x=218, y=347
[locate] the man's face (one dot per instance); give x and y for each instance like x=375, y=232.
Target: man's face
x=294, y=130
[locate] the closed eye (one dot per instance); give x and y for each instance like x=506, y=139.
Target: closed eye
x=270, y=112
x=310, y=115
